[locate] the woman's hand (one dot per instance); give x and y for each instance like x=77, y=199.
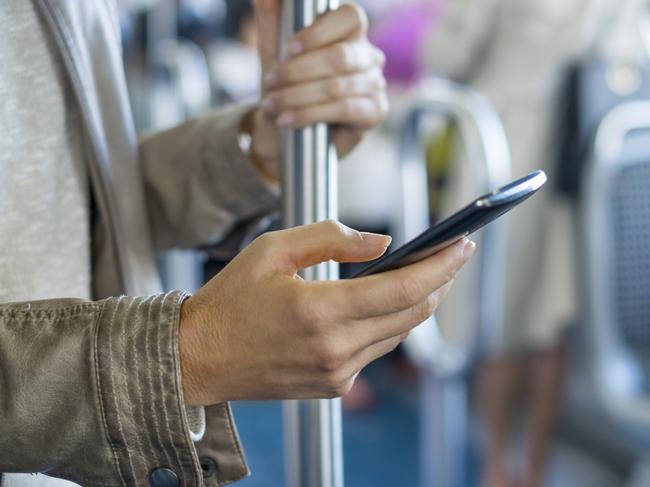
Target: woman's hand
x=331, y=74
x=258, y=331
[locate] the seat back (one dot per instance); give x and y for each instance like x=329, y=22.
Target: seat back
x=614, y=212
x=631, y=250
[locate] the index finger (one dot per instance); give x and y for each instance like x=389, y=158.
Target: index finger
x=337, y=25
x=399, y=289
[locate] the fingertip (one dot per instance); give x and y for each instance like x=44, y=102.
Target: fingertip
x=376, y=239
x=361, y=246
x=359, y=14
x=468, y=249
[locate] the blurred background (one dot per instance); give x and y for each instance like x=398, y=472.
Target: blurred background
x=536, y=372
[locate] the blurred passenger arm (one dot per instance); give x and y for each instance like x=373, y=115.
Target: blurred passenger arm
x=200, y=186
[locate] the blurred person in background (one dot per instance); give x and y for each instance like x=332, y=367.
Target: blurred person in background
x=106, y=380
x=234, y=56
x=516, y=53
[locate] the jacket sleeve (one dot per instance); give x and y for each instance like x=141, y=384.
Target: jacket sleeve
x=199, y=184
x=90, y=392
x=453, y=48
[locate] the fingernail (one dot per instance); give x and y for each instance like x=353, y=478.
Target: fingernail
x=271, y=79
x=286, y=120
x=293, y=47
x=469, y=248
x=376, y=239
x=268, y=105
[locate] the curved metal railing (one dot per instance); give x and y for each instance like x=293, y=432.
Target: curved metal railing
x=486, y=147
x=444, y=412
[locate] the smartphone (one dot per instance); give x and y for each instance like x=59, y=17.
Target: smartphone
x=480, y=212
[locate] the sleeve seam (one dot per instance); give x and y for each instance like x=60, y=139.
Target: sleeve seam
x=100, y=398
x=26, y=309
x=182, y=296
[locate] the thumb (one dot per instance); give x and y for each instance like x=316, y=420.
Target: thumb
x=267, y=15
x=309, y=245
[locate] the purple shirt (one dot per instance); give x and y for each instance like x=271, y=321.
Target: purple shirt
x=400, y=35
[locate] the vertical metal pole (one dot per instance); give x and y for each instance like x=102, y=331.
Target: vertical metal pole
x=313, y=443
x=443, y=431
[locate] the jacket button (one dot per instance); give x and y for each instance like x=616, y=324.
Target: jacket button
x=209, y=467
x=163, y=477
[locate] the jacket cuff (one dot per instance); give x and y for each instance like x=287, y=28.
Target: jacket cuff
x=138, y=371
x=138, y=375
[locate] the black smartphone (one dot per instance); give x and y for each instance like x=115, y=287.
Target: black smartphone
x=461, y=224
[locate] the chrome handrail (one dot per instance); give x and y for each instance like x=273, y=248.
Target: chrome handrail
x=443, y=397
x=313, y=429
x=487, y=149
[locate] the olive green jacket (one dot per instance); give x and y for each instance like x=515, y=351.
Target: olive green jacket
x=90, y=391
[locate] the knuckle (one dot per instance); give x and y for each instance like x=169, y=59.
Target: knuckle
x=329, y=357
x=408, y=291
x=342, y=57
x=265, y=242
x=306, y=312
x=359, y=84
x=336, y=88
x=349, y=108
x=334, y=226
x=444, y=290
x=380, y=56
x=433, y=301
x=377, y=112
x=453, y=265
x=420, y=314
x=427, y=308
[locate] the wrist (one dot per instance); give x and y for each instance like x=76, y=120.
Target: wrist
x=258, y=141
x=190, y=339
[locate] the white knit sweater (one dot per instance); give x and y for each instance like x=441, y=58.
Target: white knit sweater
x=44, y=189
x=45, y=248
